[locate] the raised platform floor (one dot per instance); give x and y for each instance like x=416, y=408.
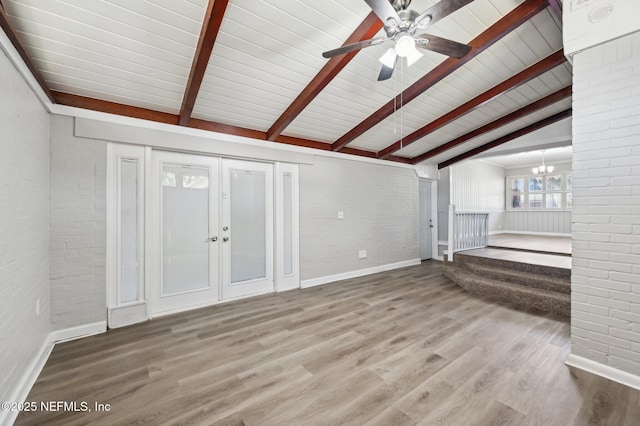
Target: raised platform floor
x=521, y=256
x=560, y=245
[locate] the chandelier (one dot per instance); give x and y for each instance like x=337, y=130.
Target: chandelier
x=543, y=169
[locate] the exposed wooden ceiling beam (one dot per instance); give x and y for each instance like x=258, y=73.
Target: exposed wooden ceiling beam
x=515, y=115
x=113, y=108
x=15, y=40
x=533, y=127
x=504, y=26
x=208, y=35
x=163, y=117
x=556, y=8
x=522, y=77
x=366, y=30
x=225, y=128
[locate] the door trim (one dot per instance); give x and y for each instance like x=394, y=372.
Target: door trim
x=143, y=310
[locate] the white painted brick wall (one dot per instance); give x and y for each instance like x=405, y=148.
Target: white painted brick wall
x=380, y=205
x=78, y=227
x=24, y=228
x=606, y=217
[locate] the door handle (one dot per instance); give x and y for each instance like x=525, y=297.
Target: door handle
x=225, y=239
x=212, y=239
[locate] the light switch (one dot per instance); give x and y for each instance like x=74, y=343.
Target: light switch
x=340, y=215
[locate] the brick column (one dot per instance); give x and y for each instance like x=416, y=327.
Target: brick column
x=605, y=323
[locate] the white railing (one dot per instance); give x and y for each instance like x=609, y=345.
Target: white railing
x=467, y=231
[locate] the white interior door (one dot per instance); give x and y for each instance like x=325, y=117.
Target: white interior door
x=246, y=228
x=184, y=227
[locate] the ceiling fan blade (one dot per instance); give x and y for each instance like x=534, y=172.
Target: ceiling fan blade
x=386, y=72
x=354, y=46
x=440, y=10
x=384, y=10
x=442, y=45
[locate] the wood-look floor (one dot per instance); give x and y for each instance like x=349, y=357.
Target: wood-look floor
x=404, y=347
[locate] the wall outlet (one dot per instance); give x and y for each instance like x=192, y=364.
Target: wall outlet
x=362, y=254
x=340, y=215
x=38, y=307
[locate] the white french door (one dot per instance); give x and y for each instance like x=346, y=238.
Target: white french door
x=247, y=228
x=184, y=226
x=211, y=230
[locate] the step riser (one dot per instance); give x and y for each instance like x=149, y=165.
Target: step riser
x=549, y=271
x=561, y=285
x=558, y=303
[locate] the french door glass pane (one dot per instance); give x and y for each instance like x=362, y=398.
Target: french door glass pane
x=287, y=225
x=185, y=223
x=248, y=226
x=129, y=266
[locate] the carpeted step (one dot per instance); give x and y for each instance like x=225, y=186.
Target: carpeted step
x=545, y=270
x=515, y=274
x=545, y=300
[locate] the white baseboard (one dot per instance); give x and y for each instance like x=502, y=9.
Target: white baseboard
x=28, y=380
x=78, y=332
x=359, y=273
x=205, y=304
x=602, y=370
x=37, y=364
x=127, y=315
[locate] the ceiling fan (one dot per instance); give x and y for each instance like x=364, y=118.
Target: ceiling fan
x=402, y=26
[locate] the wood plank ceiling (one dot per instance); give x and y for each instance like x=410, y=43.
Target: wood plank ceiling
x=255, y=68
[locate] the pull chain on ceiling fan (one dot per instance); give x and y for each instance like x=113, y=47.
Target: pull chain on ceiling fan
x=401, y=26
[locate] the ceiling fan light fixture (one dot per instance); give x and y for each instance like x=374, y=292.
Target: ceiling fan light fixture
x=391, y=22
x=405, y=46
x=389, y=58
x=413, y=56
x=424, y=23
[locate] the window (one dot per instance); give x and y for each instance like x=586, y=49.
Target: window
x=552, y=192
x=517, y=193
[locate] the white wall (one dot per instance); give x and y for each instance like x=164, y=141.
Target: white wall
x=380, y=205
x=78, y=227
x=24, y=231
x=479, y=186
x=605, y=316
